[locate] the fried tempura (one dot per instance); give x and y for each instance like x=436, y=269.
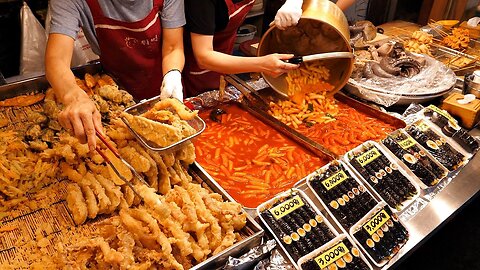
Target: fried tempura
x=161, y=134
x=76, y=203
x=182, y=110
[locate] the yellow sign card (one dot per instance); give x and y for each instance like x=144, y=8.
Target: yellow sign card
x=376, y=222
x=331, y=255
x=368, y=156
x=287, y=207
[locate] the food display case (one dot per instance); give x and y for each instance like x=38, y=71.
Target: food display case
x=288, y=148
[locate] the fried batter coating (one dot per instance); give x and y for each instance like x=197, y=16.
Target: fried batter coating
x=185, y=128
x=182, y=110
x=159, y=133
x=113, y=192
x=117, y=131
x=92, y=204
x=110, y=92
x=152, y=173
x=102, y=198
x=67, y=171
x=90, y=81
x=160, y=116
x=22, y=101
x=163, y=185
x=76, y=203
x=136, y=159
x=138, y=230
x=186, y=153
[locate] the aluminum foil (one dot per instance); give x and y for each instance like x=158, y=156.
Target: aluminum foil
x=275, y=262
x=251, y=258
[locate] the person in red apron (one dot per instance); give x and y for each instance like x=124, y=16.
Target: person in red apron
x=208, y=46
x=211, y=31
x=146, y=58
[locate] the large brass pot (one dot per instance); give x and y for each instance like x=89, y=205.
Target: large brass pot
x=322, y=28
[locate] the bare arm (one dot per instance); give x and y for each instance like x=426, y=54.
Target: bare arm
x=79, y=115
x=172, y=49
x=344, y=4
x=210, y=59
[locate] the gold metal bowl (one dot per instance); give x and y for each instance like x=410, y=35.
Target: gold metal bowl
x=322, y=28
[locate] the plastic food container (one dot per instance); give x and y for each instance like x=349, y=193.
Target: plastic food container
x=341, y=193
x=380, y=234
x=340, y=251
x=296, y=223
x=418, y=160
x=383, y=174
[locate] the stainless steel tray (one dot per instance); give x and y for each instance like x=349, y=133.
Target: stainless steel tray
x=358, y=226
x=252, y=227
x=327, y=246
x=350, y=173
x=401, y=167
x=196, y=123
x=270, y=95
x=267, y=205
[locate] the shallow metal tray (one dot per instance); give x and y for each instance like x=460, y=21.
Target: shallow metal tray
x=196, y=123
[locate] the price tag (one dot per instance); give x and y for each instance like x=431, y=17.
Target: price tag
x=407, y=143
x=368, y=156
x=376, y=222
x=441, y=112
x=287, y=207
x=331, y=255
x=335, y=180
x=423, y=126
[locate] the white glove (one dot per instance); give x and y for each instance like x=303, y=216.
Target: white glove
x=172, y=85
x=288, y=14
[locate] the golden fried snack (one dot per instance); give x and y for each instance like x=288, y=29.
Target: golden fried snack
x=183, y=111
x=160, y=116
x=22, y=101
x=214, y=233
x=92, y=204
x=152, y=173
x=113, y=192
x=183, y=125
x=159, y=133
x=83, y=86
x=76, y=203
x=186, y=153
x=90, y=81
x=110, y=92
x=103, y=200
x=163, y=185
x=138, y=161
x=67, y=171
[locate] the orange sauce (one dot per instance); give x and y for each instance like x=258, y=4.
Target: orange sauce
x=350, y=129
x=250, y=159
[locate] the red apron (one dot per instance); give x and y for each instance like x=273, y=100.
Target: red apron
x=131, y=51
x=197, y=80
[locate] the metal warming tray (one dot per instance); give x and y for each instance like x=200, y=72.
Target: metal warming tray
x=197, y=123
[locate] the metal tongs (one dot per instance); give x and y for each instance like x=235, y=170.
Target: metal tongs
x=117, y=154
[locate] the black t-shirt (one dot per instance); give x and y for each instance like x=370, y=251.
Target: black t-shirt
x=206, y=16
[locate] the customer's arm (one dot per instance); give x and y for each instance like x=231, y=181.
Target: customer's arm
x=344, y=4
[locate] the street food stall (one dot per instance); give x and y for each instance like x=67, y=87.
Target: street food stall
x=349, y=162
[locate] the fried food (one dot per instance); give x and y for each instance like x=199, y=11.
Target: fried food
x=76, y=203
x=102, y=198
x=159, y=133
x=458, y=40
x=110, y=92
x=182, y=110
x=22, y=101
x=138, y=161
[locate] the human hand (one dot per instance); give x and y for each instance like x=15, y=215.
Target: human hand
x=273, y=65
x=288, y=14
x=172, y=85
x=81, y=118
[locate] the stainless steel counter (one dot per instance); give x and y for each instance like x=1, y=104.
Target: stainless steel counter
x=441, y=208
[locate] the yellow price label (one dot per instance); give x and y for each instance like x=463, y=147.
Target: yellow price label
x=423, y=126
x=334, y=180
x=287, y=207
x=376, y=222
x=407, y=143
x=441, y=112
x=368, y=156
x=331, y=255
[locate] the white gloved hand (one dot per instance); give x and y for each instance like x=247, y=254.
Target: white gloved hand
x=288, y=14
x=172, y=85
